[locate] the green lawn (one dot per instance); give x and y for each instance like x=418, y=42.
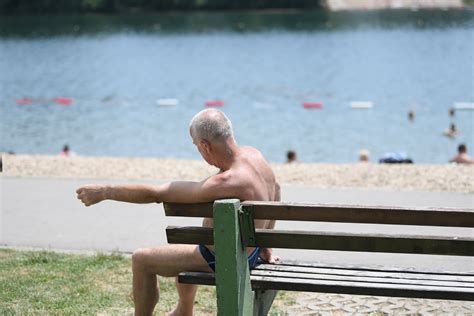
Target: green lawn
x=48, y=283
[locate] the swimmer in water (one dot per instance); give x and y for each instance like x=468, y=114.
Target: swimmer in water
x=452, y=131
x=462, y=156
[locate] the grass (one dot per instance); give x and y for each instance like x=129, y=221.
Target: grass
x=48, y=283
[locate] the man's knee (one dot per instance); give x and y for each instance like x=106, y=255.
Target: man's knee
x=151, y=261
x=140, y=257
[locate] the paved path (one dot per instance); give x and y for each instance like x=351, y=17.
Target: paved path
x=336, y=304
x=44, y=213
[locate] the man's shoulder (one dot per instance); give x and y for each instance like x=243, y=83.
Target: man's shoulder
x=253, y=154
x=462, y=159
x=233, y=176
x=250, y=149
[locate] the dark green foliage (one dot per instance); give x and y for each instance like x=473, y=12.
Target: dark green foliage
x=111, y=6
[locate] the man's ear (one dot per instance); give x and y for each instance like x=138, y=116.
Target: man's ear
x=206, y=145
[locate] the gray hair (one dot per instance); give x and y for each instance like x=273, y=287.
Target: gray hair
x=212, y=125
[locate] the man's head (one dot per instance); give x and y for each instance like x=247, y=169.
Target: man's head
x=462, y=149
x=290, y=156
x=211, y=132
x=211, y=125
x=364, y=155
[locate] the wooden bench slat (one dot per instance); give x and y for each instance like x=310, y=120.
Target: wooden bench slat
x=366, y=242
x=360, y=242
x=190, y=235
x=413, y=276
x=338, y=213
x=189, y=210
x=362, y=288
x=383, y=278
x=424, y=216
x=374, y=268
x=201, y=278
x=342, y=287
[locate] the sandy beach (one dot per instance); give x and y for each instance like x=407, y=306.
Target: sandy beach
x=443, y=177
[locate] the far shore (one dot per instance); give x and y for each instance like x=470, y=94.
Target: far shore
x=324, y=5
x=403, y=177
x=337, y=5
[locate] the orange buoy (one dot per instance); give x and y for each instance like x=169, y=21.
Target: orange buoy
x=63, y=100
x=214, y=103
x=24, y=101
x=312, y=105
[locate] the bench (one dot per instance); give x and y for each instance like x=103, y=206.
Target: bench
x=244, y=292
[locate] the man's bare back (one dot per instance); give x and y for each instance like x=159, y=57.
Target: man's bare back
x=254, y=180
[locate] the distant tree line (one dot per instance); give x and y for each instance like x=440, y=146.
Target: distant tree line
x=114, y=6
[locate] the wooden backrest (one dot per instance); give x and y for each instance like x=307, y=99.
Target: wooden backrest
x=368, y=242
x=337, y=213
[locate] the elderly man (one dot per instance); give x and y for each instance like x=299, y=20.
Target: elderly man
x=244, y=174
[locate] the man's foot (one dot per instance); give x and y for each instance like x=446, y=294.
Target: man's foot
x=180, y=312
x=266, y=254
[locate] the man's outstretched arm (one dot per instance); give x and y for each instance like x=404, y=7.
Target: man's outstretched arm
x=213, y=188
x=133, y=193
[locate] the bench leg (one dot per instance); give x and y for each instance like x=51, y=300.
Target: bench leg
x=263, y=302
x=234, y=292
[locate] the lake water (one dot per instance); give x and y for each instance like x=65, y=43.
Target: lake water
x=263, y=66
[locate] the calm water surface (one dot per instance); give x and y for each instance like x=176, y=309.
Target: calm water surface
x=264, y=66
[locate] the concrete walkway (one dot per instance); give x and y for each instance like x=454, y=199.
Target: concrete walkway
x=44, y=213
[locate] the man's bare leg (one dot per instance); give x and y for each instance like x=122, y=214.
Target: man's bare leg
x=187, y=294
x=166, y=261
x=146, y=291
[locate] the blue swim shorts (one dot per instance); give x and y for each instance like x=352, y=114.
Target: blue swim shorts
x=210, y=257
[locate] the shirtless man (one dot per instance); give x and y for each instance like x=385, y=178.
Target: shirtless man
x=462, y=156
x=244, y=174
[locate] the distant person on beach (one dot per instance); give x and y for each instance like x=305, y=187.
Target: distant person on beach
x=364, y=155
x=244, y=174
x=290, y=156
x=452, y=131
x=66, y=151
x=395, y=157
x=1, y=159
x=462, y=156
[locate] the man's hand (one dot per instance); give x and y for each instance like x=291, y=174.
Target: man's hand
x=266, y=255
x=91, y=194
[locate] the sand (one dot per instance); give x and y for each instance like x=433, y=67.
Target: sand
x=442, y=177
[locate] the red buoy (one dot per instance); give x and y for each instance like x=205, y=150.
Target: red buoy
x=214, y=103
x=312, y=105
x=63, y=100
x=24, y=101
